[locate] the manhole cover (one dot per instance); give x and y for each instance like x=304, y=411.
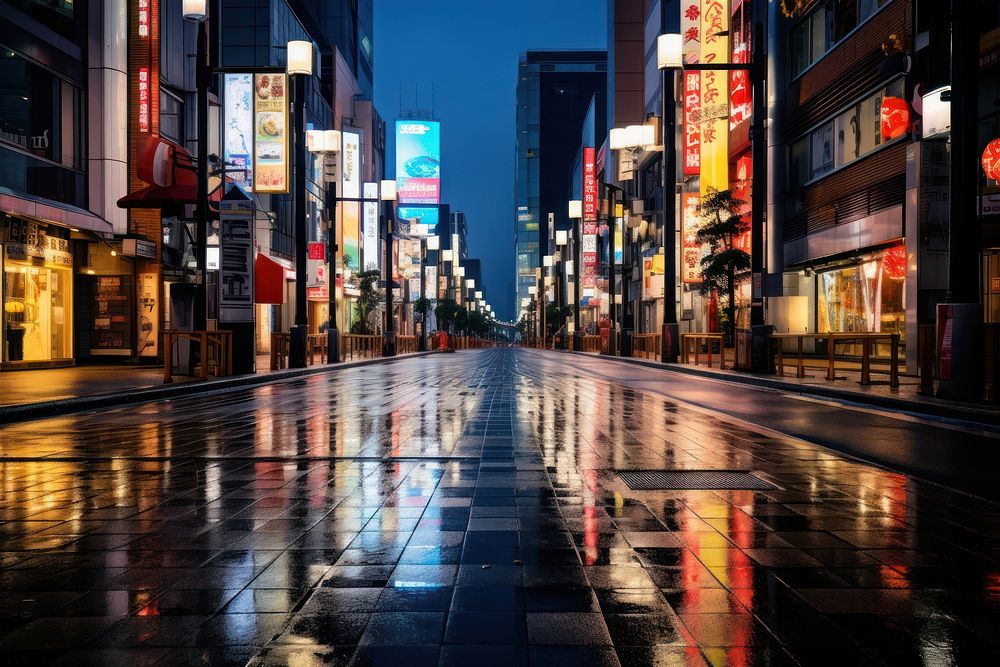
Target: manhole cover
x=652, y=480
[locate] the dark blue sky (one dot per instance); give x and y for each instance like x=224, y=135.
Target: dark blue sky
x=468, y=51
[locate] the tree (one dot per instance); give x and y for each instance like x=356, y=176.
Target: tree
x=725, y=264
x=367, y=302
x=446, y=312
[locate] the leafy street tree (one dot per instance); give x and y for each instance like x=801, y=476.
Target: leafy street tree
x=369, y=300
x=446, y=312
x=725, y=264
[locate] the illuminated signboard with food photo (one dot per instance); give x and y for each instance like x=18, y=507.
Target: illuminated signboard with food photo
x=270, y=105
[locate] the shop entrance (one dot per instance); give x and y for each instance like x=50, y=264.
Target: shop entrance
x=37, y=312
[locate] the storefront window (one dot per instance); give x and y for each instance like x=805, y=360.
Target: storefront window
x=869, y=296
x=37, y=293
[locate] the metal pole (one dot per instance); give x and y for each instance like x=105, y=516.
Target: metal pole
x=668, y=118
x=577, y=269
x=203, y=77
x=332, y=332
x=612, y=334
x=758, y=185
x=298, y=335
x=389, y=335
x=423, y=293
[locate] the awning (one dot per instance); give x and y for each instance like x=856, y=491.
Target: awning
x=269, y=280
x=172, y=176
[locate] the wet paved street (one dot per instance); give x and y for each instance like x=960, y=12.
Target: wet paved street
x=464, y=510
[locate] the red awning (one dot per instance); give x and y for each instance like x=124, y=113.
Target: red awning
x=269, y=280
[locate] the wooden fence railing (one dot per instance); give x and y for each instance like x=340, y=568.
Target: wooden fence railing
x=216, y=350
x=646, y=345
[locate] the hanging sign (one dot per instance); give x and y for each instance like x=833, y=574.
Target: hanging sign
x=894, y=118
x=714, y=111
x=350, y=171
x=236, y=260
x=691, y=248
x=991, y=160
x=270, y=118
x=692, y=135
x=589, y=189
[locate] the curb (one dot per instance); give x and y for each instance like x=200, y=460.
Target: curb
x=936, y=409
x=31, y=411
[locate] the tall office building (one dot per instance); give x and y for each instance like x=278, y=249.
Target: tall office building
x=554, y=90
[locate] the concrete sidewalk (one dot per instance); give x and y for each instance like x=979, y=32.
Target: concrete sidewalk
x=846, y=388
x=42, y=393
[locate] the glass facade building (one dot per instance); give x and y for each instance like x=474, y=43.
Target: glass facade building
x=554, y=90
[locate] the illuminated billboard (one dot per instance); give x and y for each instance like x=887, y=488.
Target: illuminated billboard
x=237, y=128
x=419, y=215
x=418, y=161
x=350, y=170
x=351, y=234
x=270, y=163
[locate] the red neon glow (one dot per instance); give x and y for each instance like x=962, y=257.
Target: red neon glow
x=692, y=133
x=894, y=118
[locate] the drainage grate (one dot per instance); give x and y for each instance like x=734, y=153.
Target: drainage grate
x=652, y=480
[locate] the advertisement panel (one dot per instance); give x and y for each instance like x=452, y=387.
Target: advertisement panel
x=237, y=128
x=371, y=246
x=271, y=127
x=714, y=115
x=692, y=134
x=691, y=30
x=589, y=188
x=350, y=170
x=691, y=250
x=236, y=261
x=430, y=281
x=588, y=250
x=418, y=161
x=419, y=215
x=352, y=251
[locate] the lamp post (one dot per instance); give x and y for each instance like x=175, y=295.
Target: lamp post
x=635, y=139
x=533, y=314
x=428, y=243
x=546, y=280
x=299, y=68
x=612, y=350
x=387, y=194
x=669, y=58
x=576, y=215
x=197, y=11
x=562, y=239
x=327, y=142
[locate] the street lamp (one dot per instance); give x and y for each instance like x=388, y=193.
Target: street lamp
x=327, y=142
x=562, y=239
x=298, y=65
x=669, y=58
x=429, y=243
x=196, y=11
x=387, y=193
x=576, y=216
x=635, y=139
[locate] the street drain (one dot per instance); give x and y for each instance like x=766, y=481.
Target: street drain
x=655, y=480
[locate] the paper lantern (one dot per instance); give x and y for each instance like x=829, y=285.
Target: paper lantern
x=991, y=160
x=895, y=118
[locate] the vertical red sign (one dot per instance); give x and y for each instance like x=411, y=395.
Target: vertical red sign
x=692, y=133
x=589, y=189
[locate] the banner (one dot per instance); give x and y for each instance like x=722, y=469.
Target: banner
x=588, y=277
x=350, y=171
x=692, y=134
x=352, y=250
x=270, y=111
x=589, y=187
x=237, y=128
x=691, y=250
x=714, y=116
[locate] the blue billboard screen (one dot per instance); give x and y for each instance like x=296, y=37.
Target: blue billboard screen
x=418, y=161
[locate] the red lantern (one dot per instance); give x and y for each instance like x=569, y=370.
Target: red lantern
x=895, y=117
x=991, y=160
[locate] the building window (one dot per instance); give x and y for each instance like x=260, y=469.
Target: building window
x=852, y=134
x=171, y=116
x=868, y=296
x=819, y=32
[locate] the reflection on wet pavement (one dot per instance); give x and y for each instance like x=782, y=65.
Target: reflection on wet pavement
x=464, y=509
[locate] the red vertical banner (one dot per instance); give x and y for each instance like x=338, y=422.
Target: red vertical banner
x=692, y=133
x=589, y=188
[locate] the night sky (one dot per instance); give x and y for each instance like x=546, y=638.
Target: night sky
x=468, y=51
